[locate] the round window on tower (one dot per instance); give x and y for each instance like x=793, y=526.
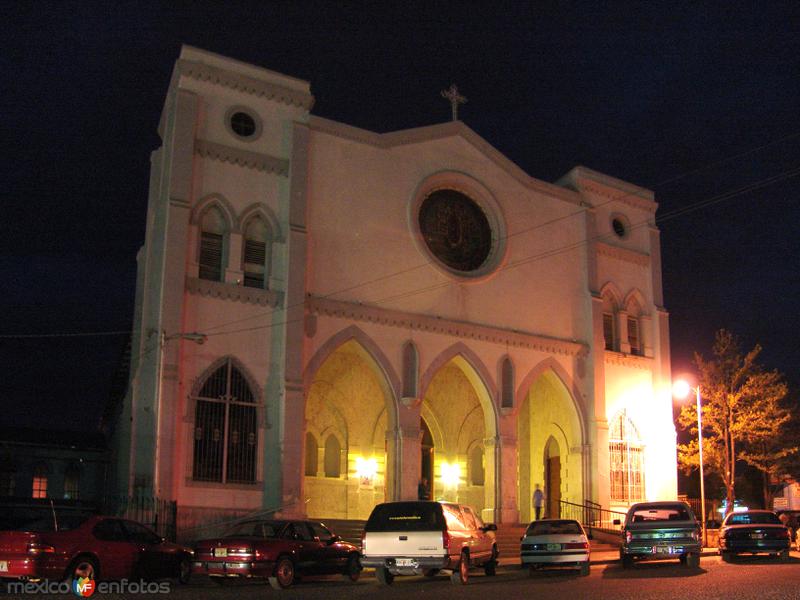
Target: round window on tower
x=243, y=123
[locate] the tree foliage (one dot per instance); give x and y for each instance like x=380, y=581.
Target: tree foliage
x=744, y=416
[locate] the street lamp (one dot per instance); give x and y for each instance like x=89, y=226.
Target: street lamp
x=681, y=389
x=197, y=338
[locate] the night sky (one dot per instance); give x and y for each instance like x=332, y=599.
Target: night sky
x=700, y=103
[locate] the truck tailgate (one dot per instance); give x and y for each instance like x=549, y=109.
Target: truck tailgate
x=405, y=543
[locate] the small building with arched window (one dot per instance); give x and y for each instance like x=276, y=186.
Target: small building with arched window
x=326, y=316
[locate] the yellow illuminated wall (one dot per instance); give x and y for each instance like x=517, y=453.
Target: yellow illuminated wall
x=346, y=399
x=548, y=412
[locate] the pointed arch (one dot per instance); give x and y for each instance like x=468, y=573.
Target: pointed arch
x=551, y=364
x=478, y=375
x=259, y=209
x=389, y=380
x=219, y=201
x=635, y=300
x=612, y=293
x=200, y=381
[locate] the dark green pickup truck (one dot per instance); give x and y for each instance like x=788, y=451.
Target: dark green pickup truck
x=658, y=530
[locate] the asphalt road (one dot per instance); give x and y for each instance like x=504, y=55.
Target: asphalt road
x=757, y=578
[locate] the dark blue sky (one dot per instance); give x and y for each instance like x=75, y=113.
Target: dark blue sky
x=692, y=101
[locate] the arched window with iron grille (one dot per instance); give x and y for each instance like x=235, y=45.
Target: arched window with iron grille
x=627, y=460
x=225, y=427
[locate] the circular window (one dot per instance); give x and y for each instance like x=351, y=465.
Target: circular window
x=619, y=226
x=455, y=230
x=243, y=124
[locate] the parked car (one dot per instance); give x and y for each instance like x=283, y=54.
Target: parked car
x=754, y=531
x=555, y=542
x=90, y=546
x=414, y=538
x=658, y=530
x=277, y=550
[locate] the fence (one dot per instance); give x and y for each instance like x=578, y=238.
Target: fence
x=158, y=514
x=592, y=515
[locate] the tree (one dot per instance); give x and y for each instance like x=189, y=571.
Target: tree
x=743, y=414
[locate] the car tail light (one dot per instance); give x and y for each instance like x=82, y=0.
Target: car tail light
x=445, y=540
x=628, y=537
x=36, y=548
x=576, y=546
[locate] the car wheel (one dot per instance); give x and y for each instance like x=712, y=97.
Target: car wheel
x=353, y=569
x=184, y=571
x=627, y=562
x=431, y=573
x=383, y=576
x=726, y=556
x=692, y=560
x=532, y=568
x=82, y=567
x=490, y=568
x=461, y=573
x=284, y=574
x=585, y=569
x=784, y=556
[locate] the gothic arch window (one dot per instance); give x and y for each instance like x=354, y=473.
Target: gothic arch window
x=72, y=483
x=477, y=473
x=333, y=454
x=256, y=252
x=40, y=475
x=627, y=460
x=213, y=233
x=410, y=370
x=507, y=383
x=225, y=427
x=634, y=328
x=312, y=455
x=610, y=325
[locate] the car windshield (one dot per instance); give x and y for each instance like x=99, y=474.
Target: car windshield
x=262, y=529
x=406, y=516
x=753, y=518
x=671, y=512
x=554, y=527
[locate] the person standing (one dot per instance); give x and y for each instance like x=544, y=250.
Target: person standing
x=422, y=490
x=538, y=501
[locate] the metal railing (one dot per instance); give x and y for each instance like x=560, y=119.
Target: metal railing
x=591, y=514
x=158, y=514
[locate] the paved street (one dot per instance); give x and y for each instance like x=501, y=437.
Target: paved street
x=748, y=579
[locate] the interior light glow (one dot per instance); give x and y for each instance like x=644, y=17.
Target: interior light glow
x=366, y=468
x=450, y=474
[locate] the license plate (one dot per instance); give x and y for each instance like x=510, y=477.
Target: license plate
x=662, y=550
x=220, y=552
x=404, y=562
x=3, y=565
x=758, y=536
x=553, y=547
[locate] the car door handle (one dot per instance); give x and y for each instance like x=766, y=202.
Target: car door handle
x=403, y=538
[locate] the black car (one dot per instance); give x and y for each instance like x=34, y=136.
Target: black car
x=753, y=532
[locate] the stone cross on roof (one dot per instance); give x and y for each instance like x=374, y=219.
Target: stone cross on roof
x=455, y=99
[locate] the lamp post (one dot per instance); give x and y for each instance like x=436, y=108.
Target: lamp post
x=681, y=389
x=197, y=338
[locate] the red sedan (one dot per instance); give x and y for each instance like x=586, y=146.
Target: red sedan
x=278, y=550
x=94, y=547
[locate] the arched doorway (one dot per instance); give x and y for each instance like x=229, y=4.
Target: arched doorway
x=552, y=479
x=349, y=410
x=426, y=457
x=549, y=445
x=459, y=414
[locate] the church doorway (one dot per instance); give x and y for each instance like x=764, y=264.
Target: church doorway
x=426, y=457
x=552, y=479
x=549, y=446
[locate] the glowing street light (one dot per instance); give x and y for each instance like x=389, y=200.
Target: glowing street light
x=681, y=390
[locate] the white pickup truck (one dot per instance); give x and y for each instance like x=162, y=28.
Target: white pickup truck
x=424, y=538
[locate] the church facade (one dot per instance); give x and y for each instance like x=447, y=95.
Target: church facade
x=327, y=316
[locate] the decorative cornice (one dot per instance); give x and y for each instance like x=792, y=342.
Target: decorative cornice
x=629, y=360
x=485, y=333
x=230, y=291
x=243, y=158
x=629, y=198
x=624, y=254
x=243, y=83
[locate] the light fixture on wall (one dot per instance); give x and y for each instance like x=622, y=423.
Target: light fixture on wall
x=450, y=475
x=366, y=469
